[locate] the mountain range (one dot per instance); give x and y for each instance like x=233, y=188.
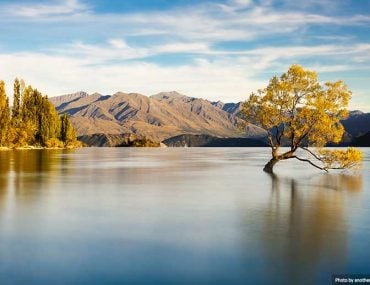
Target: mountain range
x=170, y=114
x=157, y=117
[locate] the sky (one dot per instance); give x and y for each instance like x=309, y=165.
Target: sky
x=217, y=50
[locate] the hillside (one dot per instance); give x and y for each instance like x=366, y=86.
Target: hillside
x=157, y=117
x=357, y=124
x=362, y=141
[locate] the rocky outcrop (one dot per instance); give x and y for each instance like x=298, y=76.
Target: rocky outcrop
x=117, y=140
x=210, y=141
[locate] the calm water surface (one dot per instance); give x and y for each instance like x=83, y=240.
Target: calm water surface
x=178, y=216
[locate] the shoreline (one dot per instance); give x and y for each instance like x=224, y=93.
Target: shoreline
x=5, y=148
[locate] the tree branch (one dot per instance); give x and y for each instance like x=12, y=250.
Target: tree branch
x=310, y=162
x=282, y=133
x=271, y=142
x=304, y=136
x=312, y=153
x=277, y=135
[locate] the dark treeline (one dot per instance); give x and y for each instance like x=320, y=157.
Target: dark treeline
x=33, y=120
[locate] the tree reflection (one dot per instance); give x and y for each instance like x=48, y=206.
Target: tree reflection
x=26, y=171
x=5, y=161
x=304, y=231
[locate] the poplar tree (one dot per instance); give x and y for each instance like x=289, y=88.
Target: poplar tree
x=4, y=116
x=33, y=120
x=68, y=134
x=16, y=100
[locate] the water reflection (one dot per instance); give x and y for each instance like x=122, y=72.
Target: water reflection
x=304, y=227
x=4, y=171
x=25, y=172
x=176, y=216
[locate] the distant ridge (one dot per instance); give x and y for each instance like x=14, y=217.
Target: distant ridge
x=68, y=98
x=357, y=124
x=169, y=114
x=362, y=141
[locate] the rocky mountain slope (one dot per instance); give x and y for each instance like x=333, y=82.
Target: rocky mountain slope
x=157, y=117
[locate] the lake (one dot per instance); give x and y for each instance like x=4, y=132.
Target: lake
x=178, y=216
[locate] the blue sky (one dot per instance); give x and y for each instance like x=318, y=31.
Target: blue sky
x=218, y=50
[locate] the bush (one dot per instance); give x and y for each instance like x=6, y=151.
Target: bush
x=54, y=143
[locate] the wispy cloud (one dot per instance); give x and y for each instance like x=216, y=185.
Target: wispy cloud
x=215, y=23
x=119, y=50
x=62, y=74
x=233, y=20
x=56, y=8
x=229, y=77
x=226, y=49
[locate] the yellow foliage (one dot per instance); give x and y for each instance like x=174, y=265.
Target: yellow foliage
x=340, y=159
x=74, y=144
x=22, y=134
x=54, y=143
x=33, y=120
x=297, y=108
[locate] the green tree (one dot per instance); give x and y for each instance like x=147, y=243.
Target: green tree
x=50, y=124
x=34, y=120
x=4, y=116
x=297, y=108
x=68, y=134
x=16, y=100
x=39, y=112
x=31, y=113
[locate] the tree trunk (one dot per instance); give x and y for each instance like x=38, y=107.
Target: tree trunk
x=270, y=165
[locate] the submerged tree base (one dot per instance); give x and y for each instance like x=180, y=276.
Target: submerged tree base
x=322, y=159
x=269, y=167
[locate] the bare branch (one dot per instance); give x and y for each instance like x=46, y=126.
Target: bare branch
x=281, y=134
x=310, y=162
x=269, y=136
x=312, y=153
x=277, y=135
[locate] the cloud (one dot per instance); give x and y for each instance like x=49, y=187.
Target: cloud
x=63, y=7
x=119, y=50
x=56, y=75
x=233, y=20
x=215, y=22
x=228, y=78
x=182, y=48
x=110, y=51
x=116, y=49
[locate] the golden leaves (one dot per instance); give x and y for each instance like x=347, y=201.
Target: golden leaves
x=340, y=159
x=308, y=110
x=295, y=106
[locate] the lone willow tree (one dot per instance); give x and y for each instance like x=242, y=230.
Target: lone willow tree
x=297, y=111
